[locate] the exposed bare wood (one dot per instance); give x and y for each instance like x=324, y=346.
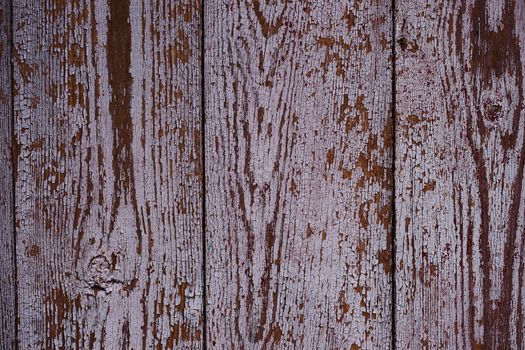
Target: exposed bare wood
x=102, y=178
x=108, y=177
x=7, y=234
x=298, y=170
x=459, y=182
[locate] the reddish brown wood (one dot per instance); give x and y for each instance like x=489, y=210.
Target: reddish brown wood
x=460, y=154
x=298, y=169
x=102, y=177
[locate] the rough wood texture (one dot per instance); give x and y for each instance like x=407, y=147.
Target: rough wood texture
x=108, y=174
x=298, y=174
x=460, y=156
x=7, y=234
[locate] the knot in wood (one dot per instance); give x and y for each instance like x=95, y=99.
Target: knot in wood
x=99, y=272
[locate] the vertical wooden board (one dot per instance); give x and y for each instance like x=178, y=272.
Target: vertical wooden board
x=108, y=180
x=7, y=233
x=459, y=174
x=298, y=174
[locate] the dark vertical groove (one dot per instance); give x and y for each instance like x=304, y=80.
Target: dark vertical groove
x=11, y=46
x=394, y=215
x=203, y=164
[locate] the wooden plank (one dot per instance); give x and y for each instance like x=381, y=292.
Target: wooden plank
x=7, y=233
x=108, y=180
x=298, y=174
x=460, y=158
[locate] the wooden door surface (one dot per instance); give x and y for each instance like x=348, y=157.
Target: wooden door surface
x=262, y=174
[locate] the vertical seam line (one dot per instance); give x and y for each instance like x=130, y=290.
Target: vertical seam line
x=203, y=165
x=13, y=160
x=394, y=214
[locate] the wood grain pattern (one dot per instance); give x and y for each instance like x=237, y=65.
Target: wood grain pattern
x=101, y=182
x=460, y=159
x=108, y=174
x=7, y=233
x=298, y=173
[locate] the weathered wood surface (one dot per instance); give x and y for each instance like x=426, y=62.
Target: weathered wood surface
x=7, y=235
x=108, y=174
x=460, y=154
x=298, y=174
x=105, y=188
